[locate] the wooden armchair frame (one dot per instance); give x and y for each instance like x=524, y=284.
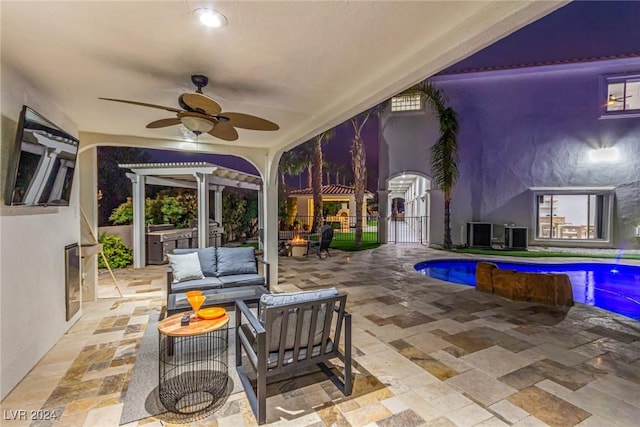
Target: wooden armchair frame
x=308, y=348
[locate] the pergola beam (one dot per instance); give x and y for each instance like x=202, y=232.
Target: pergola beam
x=179, y=183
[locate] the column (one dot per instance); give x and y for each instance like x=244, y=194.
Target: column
x=203, y=209
x=260, y=219
x=88, y=174
x=217, y=201
x=270, y=203
x=383, y=213
x=139, y=234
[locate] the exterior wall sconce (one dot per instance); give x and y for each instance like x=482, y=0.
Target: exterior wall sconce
x=602, y=155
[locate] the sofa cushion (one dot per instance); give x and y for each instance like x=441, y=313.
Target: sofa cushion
x=232, y=261
x=207, y=258
x=271, y=300
x=241, y=280
x=185, y=267
x=201, y=284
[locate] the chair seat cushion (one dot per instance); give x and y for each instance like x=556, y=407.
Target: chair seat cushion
x=270, y=300
x=241, y=280
x=201, y=284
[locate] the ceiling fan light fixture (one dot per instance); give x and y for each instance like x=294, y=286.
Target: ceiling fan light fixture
x=197, y=125
x=211, y=18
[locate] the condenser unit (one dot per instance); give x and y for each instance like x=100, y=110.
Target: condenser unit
x=479, y=234
x=515, y=237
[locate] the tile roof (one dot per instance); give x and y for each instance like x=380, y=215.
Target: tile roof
x=329, y=189
x=539, y=64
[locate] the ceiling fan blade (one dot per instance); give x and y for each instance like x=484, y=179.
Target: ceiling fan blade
x=198, y=101
x=143, y=104
x=163, y=123
x=247, y=121
x=224, y=131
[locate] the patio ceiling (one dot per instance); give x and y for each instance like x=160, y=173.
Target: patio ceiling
x=307, y=66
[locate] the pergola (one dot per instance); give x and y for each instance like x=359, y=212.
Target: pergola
x=203, y=177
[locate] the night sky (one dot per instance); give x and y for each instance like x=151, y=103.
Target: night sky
x=579, y=30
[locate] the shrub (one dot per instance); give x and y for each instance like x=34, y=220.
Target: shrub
x=123, y=214
x=116, y=252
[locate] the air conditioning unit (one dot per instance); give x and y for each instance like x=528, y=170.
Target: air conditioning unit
x=515, y=237
x=479, y=234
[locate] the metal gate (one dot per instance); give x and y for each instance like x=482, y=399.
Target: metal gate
x=407, y=229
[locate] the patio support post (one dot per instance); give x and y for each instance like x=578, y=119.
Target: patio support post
x=260, y=219
x=202, y=180
x=139, y=250
x=217, y=204
x=383, y=213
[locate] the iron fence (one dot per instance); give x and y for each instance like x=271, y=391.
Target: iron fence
x=407, y=229
x=344, y=228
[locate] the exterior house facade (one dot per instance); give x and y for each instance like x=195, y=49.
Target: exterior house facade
x=554, y=148
x=343, y=194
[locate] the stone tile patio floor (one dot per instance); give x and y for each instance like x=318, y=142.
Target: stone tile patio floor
x=427, y=353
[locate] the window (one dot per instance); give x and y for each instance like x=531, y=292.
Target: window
x=573, y=214
x=623, y=95
x=406, y=102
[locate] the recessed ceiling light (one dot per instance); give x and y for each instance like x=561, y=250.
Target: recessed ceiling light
x=211, y=18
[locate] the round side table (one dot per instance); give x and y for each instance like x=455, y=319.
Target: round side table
x=193, y=370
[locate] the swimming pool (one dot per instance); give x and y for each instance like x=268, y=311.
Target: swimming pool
x=612, y=287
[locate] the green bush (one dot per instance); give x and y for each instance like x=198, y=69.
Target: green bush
x=116, y=252
x=163, y=209
x=123, y=214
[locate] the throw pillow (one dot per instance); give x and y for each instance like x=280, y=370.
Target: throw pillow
x=185, y=267
x=233, y=261
x=207, y=259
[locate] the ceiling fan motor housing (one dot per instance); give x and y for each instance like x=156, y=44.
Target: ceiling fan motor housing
x=200, y=81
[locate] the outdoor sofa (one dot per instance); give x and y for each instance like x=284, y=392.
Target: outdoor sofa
x=214, y=268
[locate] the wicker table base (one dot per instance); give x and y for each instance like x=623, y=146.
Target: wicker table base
x=193, y=371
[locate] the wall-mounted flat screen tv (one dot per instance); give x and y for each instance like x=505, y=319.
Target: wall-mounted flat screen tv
x=43, y=164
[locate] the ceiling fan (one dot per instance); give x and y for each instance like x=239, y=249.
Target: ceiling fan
x=201, y=114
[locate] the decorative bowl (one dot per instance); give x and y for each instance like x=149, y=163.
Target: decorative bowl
x=211, y=313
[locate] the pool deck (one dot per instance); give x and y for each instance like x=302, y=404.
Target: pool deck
x=427, y=353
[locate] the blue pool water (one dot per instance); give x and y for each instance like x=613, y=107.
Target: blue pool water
x=612, y=287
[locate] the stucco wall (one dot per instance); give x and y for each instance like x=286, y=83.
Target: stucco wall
x=32, y=241
x=528, y=129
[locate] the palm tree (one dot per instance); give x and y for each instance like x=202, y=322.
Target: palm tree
x=290, y=164
x=306, y=153
x=316, y=183
x=359, y=167
x=328, y=168
x=341, y=172
x=444, y=152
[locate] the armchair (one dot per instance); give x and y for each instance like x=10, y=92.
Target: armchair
x=292, y=332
